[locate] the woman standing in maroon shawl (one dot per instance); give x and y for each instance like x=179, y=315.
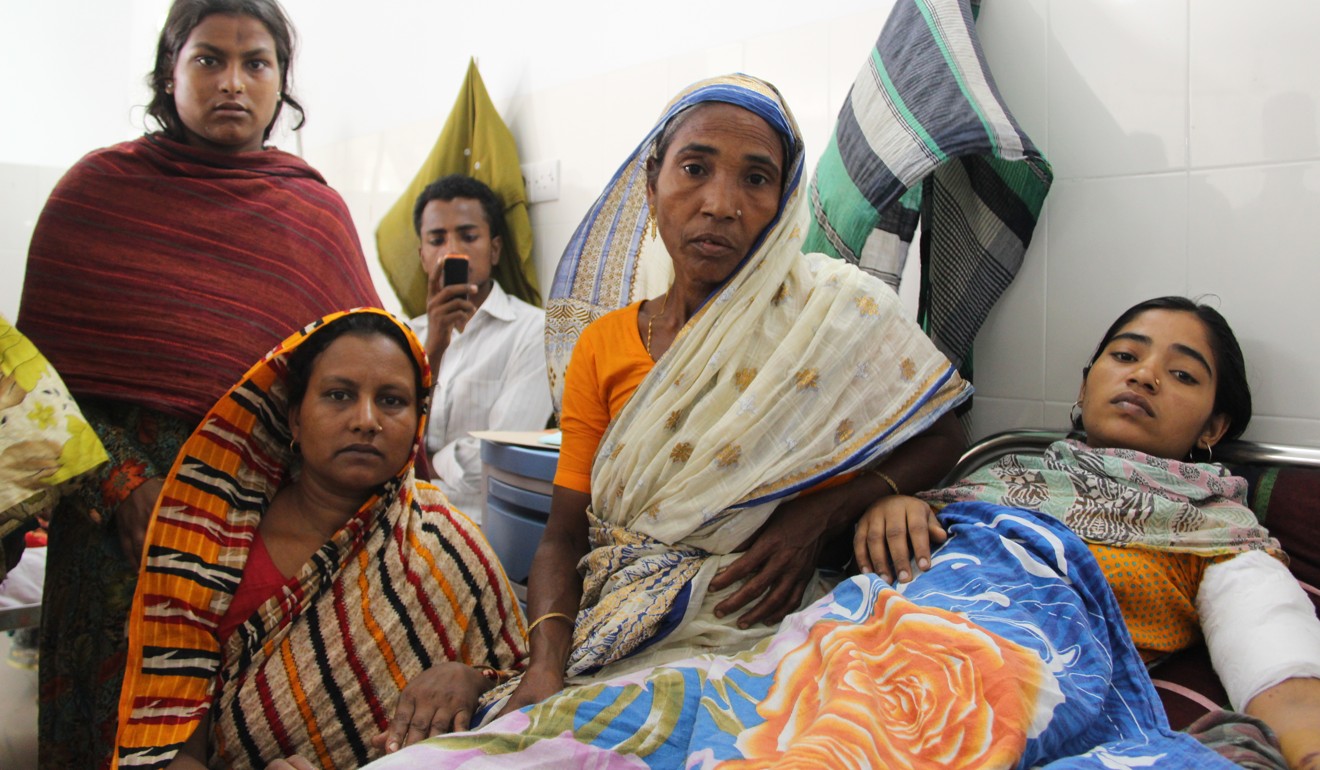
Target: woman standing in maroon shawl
x=160, y=268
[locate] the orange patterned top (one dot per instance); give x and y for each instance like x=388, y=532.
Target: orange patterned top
x=1157, y=593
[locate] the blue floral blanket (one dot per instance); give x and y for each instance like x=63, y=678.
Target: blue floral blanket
x=1009, y=652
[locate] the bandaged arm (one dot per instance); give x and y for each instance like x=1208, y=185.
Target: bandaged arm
x=1259, y=625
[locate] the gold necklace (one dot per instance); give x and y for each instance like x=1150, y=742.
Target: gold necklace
x=663, y=307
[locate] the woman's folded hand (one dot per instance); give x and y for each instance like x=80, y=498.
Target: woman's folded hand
x=778, y=563
x=439, y=700
x=894, y=533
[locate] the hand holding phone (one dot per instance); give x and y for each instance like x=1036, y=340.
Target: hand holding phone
x=447, y=305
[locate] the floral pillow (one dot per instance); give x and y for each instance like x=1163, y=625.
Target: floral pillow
x=44, y=440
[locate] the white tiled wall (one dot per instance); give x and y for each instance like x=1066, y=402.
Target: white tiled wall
x=23, y=190
x=1184, y=134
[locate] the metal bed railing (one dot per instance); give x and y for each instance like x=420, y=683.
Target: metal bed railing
x=991, y=448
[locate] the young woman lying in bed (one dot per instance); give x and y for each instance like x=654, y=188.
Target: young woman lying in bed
x=1170, y=530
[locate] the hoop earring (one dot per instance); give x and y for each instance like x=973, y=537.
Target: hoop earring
x=293, y=445
x=1075, y=413
x=1209, y=453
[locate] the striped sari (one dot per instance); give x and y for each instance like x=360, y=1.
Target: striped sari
x=406, y=584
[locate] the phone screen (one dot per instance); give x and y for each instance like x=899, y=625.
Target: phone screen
x=455, y=267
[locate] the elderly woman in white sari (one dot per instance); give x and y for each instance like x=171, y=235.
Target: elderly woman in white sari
x=718, y=435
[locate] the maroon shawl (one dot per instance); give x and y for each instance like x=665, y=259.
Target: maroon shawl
x=158, y=272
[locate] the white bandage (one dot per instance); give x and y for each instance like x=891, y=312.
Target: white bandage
x=1259, y=625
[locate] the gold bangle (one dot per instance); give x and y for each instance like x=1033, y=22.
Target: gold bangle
x=547, y=616
x=886, y=477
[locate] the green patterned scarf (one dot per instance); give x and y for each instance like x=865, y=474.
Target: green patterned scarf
x=1123, y=497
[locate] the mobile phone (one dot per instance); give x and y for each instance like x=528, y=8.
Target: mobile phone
x=455, y=267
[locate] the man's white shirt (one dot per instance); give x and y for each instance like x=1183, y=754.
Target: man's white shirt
x=491, y=377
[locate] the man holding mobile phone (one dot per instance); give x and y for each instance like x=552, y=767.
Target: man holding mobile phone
x=487, y=349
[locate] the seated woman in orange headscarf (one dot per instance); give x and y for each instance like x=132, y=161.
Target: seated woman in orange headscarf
x=303, y=593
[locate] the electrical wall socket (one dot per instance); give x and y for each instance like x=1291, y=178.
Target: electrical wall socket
x=542, y=180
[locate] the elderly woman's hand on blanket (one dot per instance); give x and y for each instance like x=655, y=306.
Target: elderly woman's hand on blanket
x=439, y=700
x=895, y=535
x=778, y=562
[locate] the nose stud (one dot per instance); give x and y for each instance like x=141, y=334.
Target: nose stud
x=1157, y=382
x=739, y=213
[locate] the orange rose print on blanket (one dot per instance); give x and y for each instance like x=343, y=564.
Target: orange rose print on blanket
x=912, y=687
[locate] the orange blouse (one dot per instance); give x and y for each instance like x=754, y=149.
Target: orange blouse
x=608, y=363
x=1157, y=593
